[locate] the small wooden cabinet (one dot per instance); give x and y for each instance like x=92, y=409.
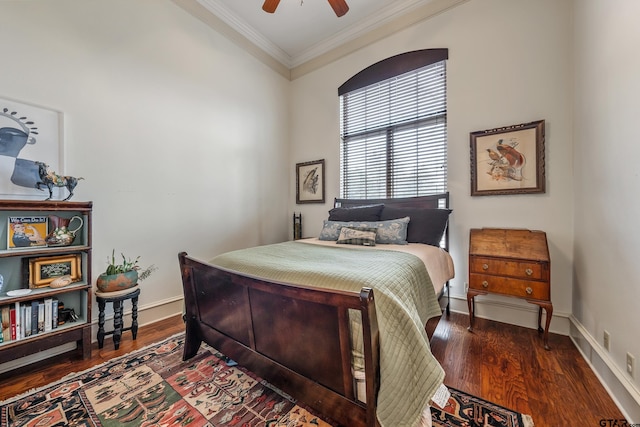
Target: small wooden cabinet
x=511, y=262
x=15, y=268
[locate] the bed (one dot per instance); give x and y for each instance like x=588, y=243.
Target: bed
x=321, y=321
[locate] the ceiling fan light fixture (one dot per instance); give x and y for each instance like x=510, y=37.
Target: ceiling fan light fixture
x=340, y=7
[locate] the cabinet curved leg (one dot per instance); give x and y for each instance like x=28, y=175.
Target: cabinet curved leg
x=548, y=308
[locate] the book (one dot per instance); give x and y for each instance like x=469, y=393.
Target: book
x=47, y=314
x=18, y=321
x=26, y=320
x=54, y=314
x=6, y=322
x=40, y=317
x=12, y=317
x=34, y=317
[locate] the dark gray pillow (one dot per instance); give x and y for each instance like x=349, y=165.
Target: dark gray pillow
x=426, y=226
x=356, y=213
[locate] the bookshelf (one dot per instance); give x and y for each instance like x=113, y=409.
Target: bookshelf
x=19, y=266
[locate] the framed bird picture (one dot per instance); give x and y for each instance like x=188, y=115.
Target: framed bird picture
x=508, y=160
x=310, y=182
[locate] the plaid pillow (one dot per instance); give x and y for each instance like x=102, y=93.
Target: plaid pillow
x=365, y=236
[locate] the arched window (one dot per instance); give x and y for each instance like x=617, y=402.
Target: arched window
x=393, y=128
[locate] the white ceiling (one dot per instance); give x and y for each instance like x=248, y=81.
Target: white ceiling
x=301, y=30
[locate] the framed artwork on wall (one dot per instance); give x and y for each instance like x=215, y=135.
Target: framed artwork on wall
x=28, y=134
x=310, y=182
x=508, y=160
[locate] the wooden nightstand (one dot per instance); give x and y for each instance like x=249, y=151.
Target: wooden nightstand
x=511, y=262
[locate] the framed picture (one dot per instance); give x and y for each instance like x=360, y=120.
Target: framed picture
x=310, y=182
x=24, y=232
x=508, y=160
x=44, y=270
x=28, y=134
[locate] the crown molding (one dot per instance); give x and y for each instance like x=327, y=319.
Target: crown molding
x=397, y=16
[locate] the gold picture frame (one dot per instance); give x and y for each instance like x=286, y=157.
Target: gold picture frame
x=44, y=270
x=508, y=160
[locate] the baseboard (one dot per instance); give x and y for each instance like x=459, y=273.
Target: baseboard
x=511, y=310
x=147, y=314
x=624, y=393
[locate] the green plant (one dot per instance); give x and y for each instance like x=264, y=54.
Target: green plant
x=127, y=265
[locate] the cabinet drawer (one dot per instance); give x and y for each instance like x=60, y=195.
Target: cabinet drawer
x=512, y=287
x=502, y=267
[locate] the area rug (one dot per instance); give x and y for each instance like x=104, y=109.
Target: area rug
x=154, y=387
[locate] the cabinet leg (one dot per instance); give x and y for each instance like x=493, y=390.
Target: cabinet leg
x=117, y=323
x=134, y=317
x=471, y=306
x=101, y=334
x=548, y=308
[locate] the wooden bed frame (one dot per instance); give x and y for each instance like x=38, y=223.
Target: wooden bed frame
x=264, y=326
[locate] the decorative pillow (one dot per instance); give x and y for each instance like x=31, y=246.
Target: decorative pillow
x=356, y=213
x=365, y=236
x=389, y=232
x=426, y=226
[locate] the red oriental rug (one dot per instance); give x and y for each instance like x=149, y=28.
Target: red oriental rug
x=154, y=387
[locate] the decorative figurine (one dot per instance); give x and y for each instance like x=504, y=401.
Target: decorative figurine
x=51, y=179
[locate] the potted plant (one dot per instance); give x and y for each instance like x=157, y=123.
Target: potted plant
x=123, y=275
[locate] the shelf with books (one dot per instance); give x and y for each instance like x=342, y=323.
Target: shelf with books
x=48, y=311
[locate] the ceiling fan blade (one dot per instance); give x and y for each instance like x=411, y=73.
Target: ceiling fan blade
x=270, y=5
x=340, y=7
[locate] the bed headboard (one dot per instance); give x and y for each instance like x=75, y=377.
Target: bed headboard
x=434, y=201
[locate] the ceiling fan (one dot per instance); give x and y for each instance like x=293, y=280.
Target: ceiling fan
x=340, y=7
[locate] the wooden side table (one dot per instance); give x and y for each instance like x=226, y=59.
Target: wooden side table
x=511, y=262
x=117, y=299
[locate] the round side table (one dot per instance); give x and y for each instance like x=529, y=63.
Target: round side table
x=117, y=298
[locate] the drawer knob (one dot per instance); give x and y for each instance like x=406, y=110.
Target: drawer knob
x=485, y=284
x=529, y=271
x=529, y=291
x=485, y=266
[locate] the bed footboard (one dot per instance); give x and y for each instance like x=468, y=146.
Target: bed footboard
x=298, y=338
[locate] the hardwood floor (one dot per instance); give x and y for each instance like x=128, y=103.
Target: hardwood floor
x=508, y=365
x=501, y=363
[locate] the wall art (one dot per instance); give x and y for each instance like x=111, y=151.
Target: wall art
x=508, y=160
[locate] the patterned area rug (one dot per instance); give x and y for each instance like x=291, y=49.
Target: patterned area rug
x=154, y=387
x=469, y=411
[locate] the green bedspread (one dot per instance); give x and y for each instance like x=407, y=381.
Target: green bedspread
x=405, y=300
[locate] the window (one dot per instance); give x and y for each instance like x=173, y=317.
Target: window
x=393, y=128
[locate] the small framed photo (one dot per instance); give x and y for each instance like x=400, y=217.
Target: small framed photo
x=24, y=232
x=310, y=182
x=508, y=160
x=44, y=270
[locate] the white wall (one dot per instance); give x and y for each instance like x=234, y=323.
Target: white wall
x=509, y=63
x=606, y=289
x=182, y=138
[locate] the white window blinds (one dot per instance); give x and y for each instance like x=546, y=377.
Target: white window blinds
x=394, y=136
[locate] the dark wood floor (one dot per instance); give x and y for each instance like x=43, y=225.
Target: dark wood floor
x=498, y=362
x=508, y=365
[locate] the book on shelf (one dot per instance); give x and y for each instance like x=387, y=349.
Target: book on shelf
x=54, y=313
x=12, y=317
x=18, y=321
x=6, y=322
x=34, y=317
x=40, y=316
x=48, y=303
